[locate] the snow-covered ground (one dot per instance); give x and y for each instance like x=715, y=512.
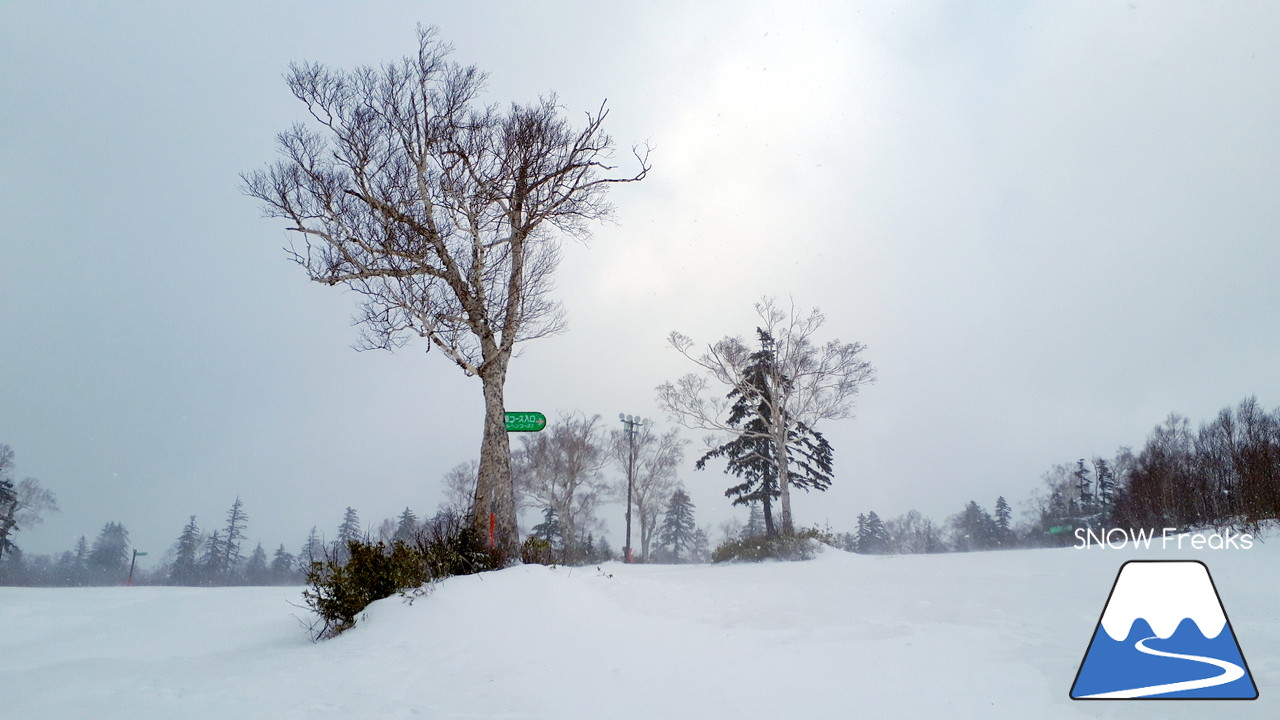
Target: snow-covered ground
x=982, y=635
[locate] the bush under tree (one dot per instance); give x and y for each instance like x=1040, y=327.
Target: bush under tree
x=342, y=584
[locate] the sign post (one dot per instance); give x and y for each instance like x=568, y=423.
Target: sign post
x=525, y=421
x=133, y=562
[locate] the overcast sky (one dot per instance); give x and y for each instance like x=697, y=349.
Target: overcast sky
x=1051, y=224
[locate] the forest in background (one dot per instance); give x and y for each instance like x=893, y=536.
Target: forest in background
x=1224, y=474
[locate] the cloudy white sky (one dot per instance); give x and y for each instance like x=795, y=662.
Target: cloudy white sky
x=1051, y=224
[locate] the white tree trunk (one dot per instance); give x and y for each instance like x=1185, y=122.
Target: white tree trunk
x=495, y=492
x=784, y=478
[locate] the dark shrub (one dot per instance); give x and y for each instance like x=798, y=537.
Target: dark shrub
x=800, y=546
x=450, y=545
x=340, y=589
x=536, y=551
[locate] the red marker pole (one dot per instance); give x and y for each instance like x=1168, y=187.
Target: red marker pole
x=491, y=524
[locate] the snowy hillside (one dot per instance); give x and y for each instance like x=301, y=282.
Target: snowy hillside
x=982, y=635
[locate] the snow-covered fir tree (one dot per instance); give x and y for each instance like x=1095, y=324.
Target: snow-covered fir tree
x=1003, y=519
x=186, y=569
x=761, y=428
x=212, y=567
x=678, y=526
x=1084, y=488
x=78, y=573
x=1106, y=478
x=283, y=566
x=755, y=522
x=231, y=539
x=312, y=551
x=974, y=529
x=407, y=527
x=873, y=537
x=109, y=556
x=255, y=568
x=549, y=530
x=348, y=532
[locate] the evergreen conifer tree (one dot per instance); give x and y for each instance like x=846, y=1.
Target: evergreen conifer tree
x=81, y=571
x=549, y=529
x=255, y=569
x=283, y=568
x=212, y=569
x=1003, y=531
x=8, y=503
x=975, y=528
x=1106, y=487
x=755, y=522
x=64, y=571
x=873, y=537
x=348, y=532
x=1083, y=488
x=678, y=526
x=312, y=551
x=109, y=558
x=604, y=553
x=860, y=534
x=185, y=568
x=407, y=527
x=231, y=539
x=753, y=454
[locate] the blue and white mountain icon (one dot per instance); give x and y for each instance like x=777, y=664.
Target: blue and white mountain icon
x=1164, y=635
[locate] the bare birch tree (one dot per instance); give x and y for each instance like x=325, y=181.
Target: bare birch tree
x=560, y=468
x=460, y=487
x=442, y=214
x=805, y=384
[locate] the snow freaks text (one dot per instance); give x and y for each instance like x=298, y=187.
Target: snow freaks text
x=1165, y=539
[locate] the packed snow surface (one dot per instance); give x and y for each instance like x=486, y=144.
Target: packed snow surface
x=980, y=635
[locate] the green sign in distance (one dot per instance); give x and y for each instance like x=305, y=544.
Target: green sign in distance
x=1059, y=529
x=525, y=421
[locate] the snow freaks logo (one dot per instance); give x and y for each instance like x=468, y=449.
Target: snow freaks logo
x=1164, y=635
x=1120, y=538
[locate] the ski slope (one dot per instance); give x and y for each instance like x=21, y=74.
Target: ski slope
x=981, y=635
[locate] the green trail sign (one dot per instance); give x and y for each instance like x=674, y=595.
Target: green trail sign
x=525, y=421
x=1059, y=529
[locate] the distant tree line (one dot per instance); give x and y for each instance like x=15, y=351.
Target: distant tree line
x=973, y=528
x=1224, y=474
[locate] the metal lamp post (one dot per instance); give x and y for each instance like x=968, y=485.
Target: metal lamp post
x=631, y=425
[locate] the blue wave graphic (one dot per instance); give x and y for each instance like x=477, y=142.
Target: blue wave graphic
x=1112, y=666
